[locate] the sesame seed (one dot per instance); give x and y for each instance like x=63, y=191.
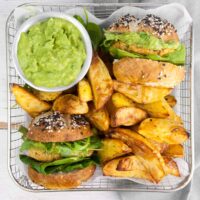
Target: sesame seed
x=53, y=121
x=160, y=26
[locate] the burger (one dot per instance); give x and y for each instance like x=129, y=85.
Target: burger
x=58, y=149
x=150, y=37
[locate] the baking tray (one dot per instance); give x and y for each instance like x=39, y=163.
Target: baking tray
x=17, y=117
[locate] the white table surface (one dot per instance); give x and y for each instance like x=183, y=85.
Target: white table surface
x=9, y=191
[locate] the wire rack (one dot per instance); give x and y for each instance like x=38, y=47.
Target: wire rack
x=17, y=117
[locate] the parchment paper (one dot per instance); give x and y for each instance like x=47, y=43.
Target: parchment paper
x=174, y=13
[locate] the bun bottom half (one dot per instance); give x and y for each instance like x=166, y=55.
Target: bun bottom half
x=61, y=181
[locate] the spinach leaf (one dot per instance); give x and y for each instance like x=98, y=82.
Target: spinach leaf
x=95, y=32
x=23, y=130
x=65, y=149
x=176, y=57
x=49, y=167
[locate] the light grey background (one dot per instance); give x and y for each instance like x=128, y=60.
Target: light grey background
x=9, y=191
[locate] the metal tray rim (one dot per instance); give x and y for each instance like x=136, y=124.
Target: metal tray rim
x=179, y=187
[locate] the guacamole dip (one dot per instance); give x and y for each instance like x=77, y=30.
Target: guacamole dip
x=51, y=53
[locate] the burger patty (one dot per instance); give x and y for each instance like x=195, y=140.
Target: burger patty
x=144, y=51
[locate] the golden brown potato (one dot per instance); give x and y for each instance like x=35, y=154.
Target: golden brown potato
x=139, y=144
x=126, y=116
x=139, y=171
x=163, y=130
x=160, y=109
x=160, y=146
x=171, y=100
x=84, y=91
x=46, y=96
x=119, y=100
x=174, y=150
x=139, y=93
x=112, y=148
x=70, y=104
x=100, y=81
x=99, y=118
x=30, y=103
x=171, y=167
x=155, y=109
x=172, y=115
x=148, y=168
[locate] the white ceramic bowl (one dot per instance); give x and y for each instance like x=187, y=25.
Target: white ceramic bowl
x=42, y=17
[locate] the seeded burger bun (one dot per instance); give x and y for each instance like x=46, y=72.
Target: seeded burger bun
x=149, y=37
x=152, y=24
x=58, y=149
x=62, y=181
x=56, y=127
x=148, y=72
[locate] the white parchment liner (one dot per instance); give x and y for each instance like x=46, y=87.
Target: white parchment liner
x=174, y=13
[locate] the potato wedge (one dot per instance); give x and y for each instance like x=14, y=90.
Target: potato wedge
x=139, y=93
x=127, y=116
x=84, y=91
x=139, y=144
x=163, y=130
x=139, y=171
x=160, y=146
x=171, y=100
x=124, y=116
x=155, y=109
x=112, y=148
x=119, y=100
x=30, y=103
x=174, y=151
x=148, y=168
x=46, y=96
x=160, y=109
x=99, y=118
x=70, y=104
x=171, y=167
x=172, y=115
x=100, y=81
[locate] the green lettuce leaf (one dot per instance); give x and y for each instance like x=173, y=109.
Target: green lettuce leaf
x=65, y=149
x=176, y=57
x=140, y=39
x=62, y=165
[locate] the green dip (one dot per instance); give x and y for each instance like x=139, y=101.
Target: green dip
x=51, y=53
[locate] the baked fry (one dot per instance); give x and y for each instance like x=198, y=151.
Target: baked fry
x=112, y=148
x=101, y=82
x=70, y=104
x=30, y=103
x=139, y=93
x=84, y=91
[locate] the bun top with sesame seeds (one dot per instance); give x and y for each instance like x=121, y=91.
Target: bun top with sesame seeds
x=56, y=127
x=151, y=24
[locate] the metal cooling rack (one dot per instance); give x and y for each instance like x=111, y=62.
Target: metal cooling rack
x=17, y=117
